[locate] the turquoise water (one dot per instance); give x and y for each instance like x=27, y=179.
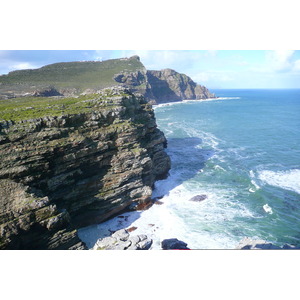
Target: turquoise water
x=243, y=152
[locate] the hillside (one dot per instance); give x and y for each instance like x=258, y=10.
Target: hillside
x=67, y=78
x=75, y=78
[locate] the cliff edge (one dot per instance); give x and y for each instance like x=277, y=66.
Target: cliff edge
x=72, y=162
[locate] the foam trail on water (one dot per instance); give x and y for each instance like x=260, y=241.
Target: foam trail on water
x=289, y=180
x=188, y=101
x=254, y=183
x=210, y=99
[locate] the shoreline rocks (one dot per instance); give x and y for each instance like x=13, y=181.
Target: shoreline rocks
x=174, y=244
x=198, y=198
x=122, y=240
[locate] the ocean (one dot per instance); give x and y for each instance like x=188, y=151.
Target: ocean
x=241, y=153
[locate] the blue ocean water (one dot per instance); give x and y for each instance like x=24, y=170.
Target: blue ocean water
x=242, y=151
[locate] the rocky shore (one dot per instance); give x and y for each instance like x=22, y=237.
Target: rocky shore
x=124, y=240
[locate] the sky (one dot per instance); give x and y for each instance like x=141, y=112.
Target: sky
x=228, y=69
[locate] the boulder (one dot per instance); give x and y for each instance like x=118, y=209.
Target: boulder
x=121, y=235
x=198, y=198
x=121, y=240
x=173, y=244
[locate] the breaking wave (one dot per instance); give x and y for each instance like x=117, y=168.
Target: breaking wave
x=289, y=180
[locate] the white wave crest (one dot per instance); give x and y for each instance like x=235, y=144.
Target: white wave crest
x=228, y=98
x=210, y=99
x=187, y=101
x=289, y=180
x=255, y=186
x=268, y=209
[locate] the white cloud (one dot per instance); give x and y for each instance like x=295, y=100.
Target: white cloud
x=296, y=65
x=208, y=77
x=8, y=65
x=179, y=60
x=280, y=60
x=22, y=66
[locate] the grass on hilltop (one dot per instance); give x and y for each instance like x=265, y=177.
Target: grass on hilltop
x=79, y=75
x=24, y=108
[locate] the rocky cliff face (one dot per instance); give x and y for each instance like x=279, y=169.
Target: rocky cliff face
x=75, y=78
x=168, y=85
x=163, y=86
x=59, y=173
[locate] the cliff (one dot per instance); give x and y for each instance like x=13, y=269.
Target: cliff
x=72, y=162
x=76, y=78
x=168, y=86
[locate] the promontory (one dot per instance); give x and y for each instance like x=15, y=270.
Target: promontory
x=79, y=143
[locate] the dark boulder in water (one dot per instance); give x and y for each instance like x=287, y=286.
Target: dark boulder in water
x=198, y=198
x=172, y=244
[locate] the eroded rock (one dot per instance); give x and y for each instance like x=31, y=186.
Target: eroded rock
x=122, y=240
x=173, y=244
x=198, y=198
x=60, y=173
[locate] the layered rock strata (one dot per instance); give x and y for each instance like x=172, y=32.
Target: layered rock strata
x=168, y=86
x=122, y=240
x=59, y=173
x=163, y=86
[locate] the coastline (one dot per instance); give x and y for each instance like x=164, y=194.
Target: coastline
x=249, y=204
x=193, y=101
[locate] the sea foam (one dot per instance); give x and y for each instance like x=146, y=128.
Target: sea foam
x=289, y=180
x=188, y=101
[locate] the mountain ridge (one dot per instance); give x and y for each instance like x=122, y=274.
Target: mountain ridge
x=75, y=78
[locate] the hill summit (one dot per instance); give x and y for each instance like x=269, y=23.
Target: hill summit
x=86, y=77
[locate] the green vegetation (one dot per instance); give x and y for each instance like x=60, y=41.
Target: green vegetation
x=25, y=108
x=78, y=75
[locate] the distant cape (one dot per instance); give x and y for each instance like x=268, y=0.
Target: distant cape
x=75, y=78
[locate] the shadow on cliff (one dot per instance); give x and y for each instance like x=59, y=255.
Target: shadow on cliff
x=188, y=159
x=160, y=89
x=89, y=235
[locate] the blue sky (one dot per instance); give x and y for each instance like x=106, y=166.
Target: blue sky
x=212, y=68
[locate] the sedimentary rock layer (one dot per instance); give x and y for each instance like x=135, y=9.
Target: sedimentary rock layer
x=59, y=173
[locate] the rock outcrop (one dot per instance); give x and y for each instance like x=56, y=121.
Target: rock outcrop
x=198, y=198
x=168, y=86
x=59, y=173
x=75, y=78
x=174, y=244
x=46, y=92
x=122, y=240
x=163, y=86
